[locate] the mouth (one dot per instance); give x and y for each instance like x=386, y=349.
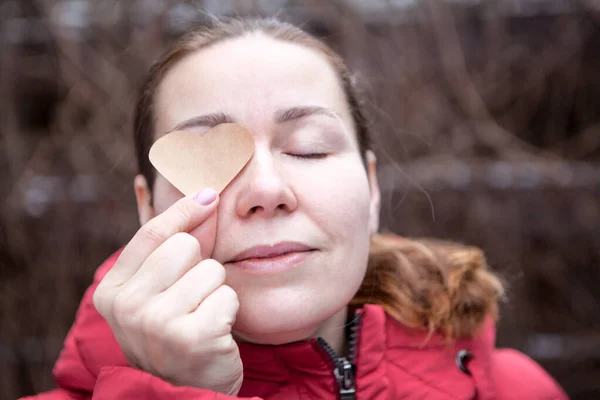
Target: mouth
x=279, y=257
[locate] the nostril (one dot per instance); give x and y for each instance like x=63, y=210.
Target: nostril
x=255, y=209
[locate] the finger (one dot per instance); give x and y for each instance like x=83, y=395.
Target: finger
x=183, y=216
x=169, y=262
x=206, y=234
x=185, y=295
x=217, y=313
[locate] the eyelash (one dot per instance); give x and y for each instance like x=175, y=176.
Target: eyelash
x=310, y=156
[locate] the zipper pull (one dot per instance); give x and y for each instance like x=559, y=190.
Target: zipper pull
x=344, y=374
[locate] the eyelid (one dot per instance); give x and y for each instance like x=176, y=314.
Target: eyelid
x=309, y=156
x=310, y=141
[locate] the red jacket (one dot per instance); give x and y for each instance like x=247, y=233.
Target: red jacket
x=392, y=362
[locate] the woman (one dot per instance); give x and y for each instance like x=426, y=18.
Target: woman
x=262, y=291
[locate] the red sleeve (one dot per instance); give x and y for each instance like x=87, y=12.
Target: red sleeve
x=518, y=377
x=92, y=366
x=120, y=383
x=59, y=394
x=125, y=383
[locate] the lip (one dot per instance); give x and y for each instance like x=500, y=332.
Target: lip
x=276, y=258
x=276, y=250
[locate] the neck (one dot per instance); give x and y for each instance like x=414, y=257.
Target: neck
x=333, y=331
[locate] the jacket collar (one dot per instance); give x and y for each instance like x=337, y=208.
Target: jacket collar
x=428, y=360
x=309, y=365
x=377, y=333
x=308, y=358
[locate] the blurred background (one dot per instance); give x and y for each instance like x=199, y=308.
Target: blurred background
x=487, y=116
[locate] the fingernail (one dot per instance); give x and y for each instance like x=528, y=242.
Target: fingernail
x=205, y=196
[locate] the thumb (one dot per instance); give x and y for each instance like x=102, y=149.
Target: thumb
x=206, y=233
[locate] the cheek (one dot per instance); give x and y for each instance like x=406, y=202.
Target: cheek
x=337, y=195
x=165, y=194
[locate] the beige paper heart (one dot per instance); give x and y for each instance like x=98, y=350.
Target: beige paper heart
x=191, y=161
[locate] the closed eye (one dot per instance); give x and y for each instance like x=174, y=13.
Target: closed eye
x=309, y=156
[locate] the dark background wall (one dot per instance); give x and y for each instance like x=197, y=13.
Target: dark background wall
x=487, y=117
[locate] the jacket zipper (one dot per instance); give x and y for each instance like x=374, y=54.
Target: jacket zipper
x=343, y=367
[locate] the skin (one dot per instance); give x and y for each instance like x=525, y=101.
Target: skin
x=305, y=183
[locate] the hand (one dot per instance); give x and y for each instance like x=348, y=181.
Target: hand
x=171, y=311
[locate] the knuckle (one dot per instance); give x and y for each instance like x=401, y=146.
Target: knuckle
x=184, y=213
x=233, y=300
x=153, y=231
x=125, y=308
x=100, y=300
x=186, y=242
x=223, y=344
x=214, y=269
x=229, y=294
x=228, y=303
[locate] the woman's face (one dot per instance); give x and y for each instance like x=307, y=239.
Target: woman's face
x=305, y=185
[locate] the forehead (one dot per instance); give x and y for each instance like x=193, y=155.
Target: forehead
x=248, y=78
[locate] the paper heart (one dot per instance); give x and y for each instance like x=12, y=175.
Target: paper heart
x=191, y=161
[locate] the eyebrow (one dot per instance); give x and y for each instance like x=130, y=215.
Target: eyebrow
x=209, y=120
x=280, y=117
x=295, y=113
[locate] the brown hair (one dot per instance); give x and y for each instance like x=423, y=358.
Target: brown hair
x=431, y=284
x=434, y=285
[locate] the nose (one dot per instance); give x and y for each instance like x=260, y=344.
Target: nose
x=263, y=189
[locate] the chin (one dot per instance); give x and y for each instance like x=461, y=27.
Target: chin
x=278, y=321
